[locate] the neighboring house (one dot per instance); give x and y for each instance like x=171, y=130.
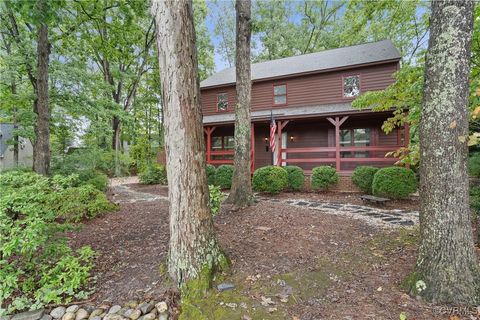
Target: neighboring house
x=25, y=149
x=310, y=99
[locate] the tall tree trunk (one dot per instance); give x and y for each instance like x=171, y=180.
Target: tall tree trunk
x=446, y=263
x=41, y=146
x=241, y=192
x=115, y=131
x=194, y=250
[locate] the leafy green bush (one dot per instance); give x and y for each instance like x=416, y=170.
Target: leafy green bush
x=211, y=170
x=216, y=197
x=475, y=199
x=271, y=179
x=91, y=159
x=296, y=177
x=79, y=203
x=223, y=176
x=394, y=182
x=474, y=164
x=323, y=177
x=153, y=174
x=37, y=266
x=362, y=177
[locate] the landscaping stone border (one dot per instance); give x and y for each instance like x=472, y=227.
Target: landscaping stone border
x=148, y=310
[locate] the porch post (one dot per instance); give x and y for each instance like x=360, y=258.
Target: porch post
x=208, y=131
x=337, y=123
x=252, y=148
x=279, y=148
x=281, y=125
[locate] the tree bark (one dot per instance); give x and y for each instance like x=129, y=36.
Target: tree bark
x=241, y=192
x=446, y=261
x=193, y=246
x=41, y=146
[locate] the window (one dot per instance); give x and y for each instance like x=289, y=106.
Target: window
x=222, y=101
x=222, y=143
x=351, y=86
x=280, y=94
x=355, y=138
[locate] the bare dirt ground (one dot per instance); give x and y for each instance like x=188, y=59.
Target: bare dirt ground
x=287, y=262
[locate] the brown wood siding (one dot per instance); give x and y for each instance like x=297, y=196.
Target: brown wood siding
x=307, y=90
x=263, y=156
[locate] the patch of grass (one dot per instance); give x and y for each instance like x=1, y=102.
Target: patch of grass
x=389, y=241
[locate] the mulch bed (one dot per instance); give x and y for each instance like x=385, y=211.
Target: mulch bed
x=365, y=265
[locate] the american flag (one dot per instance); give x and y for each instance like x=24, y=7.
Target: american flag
x=273, y=145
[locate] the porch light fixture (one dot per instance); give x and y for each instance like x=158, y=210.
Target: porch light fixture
x=292, y=138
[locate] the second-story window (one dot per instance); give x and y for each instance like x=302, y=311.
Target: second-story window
x=280, y=94
x=351, y=86
x=222, y=101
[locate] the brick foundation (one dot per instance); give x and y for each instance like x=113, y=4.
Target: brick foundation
x=344, y=184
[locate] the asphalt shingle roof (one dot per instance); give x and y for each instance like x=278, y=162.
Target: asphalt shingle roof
x=324, y=60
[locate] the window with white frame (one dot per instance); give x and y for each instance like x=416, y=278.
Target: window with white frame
x=222, y=101
x=280, y=94
x=351, y=86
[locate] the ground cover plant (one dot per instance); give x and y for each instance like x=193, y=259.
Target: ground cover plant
x=38, y=267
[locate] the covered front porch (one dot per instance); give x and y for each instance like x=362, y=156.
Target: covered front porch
x=343, y=141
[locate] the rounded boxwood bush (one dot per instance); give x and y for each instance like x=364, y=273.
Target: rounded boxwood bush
x=362, y=177
x=323, y=177
x=223, y=176
x=394, y=182
x=271, y=179
x=296, y=177
x=211, y=170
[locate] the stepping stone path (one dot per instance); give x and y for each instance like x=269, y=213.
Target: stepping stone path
x=124, y=194
x=378, y=217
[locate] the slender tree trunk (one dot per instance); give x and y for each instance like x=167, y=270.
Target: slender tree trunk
x=194, y=251
x=241, y=192
x=447, y=262
x=15, y=127
x=41, y=146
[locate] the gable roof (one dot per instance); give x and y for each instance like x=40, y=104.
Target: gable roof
x=319, y=61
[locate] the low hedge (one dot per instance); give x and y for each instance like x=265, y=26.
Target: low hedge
x=211, y=170
x=394, y=182
x=271, y=179
x=223, y=176
x=323, y=177
x=153, y=174
x=362, y=177
x=296, y=177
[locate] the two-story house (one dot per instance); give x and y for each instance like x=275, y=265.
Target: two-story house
x=309, y=96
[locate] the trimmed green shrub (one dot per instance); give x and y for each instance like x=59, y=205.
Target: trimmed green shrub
x=211, y=170
x=271, y=179
x=362, y=177
x=216, y=197
x=223, y=176
x=475, y=199
x=394, y=182
x=474, y=164
x=296, y=177
x=153, y=174
x=323, y=177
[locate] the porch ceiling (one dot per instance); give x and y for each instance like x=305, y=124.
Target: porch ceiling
x=282, y=113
